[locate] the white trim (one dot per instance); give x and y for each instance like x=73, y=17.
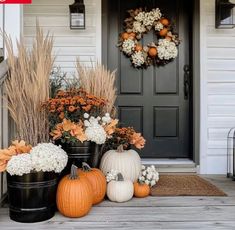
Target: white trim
x=99, y=31
x=203, y=92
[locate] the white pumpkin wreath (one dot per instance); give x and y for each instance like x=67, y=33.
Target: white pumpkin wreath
x=159, y=52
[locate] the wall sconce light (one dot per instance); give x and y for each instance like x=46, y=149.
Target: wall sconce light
x=224, y=14
x=77, y=15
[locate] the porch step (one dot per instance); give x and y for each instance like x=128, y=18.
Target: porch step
x=172, y=165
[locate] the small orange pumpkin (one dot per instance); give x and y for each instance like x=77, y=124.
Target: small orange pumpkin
x=163, y=32
x=138, y=47
x=97, y=181
x=125, y=35
x=152, y=52
x=141, y=190
x=74, y=195
x=165, y=21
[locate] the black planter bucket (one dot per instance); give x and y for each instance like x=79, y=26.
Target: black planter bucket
x=32, y=197
x=81, y=152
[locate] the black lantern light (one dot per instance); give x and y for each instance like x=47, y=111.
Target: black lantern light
x=77, y=15
x=224, y=14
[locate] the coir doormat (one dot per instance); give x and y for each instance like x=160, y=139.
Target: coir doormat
x=185, y=185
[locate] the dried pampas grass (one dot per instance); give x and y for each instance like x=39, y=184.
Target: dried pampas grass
x=27, y=86
x=100, y=82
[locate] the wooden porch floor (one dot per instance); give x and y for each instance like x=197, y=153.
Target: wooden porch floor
x=150, y=213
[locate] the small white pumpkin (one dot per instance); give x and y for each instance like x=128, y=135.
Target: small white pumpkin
x=127, y=162
x=120, y=190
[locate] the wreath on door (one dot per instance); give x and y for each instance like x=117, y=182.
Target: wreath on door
x=159, y=52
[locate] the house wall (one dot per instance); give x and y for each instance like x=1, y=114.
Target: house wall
x=1, y=25
x=217, y=66
x=217, y=90
x=69, y=44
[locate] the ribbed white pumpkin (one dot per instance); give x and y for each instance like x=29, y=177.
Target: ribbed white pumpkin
x=120, y=190
x=127, y=162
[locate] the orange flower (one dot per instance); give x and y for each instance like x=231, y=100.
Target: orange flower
x=61, y=116
x=110, y=128
x=71, y=108
x=87, y=108
x=60, y=109
x=56, y=134
x=137, y=140
x=67, y=125
x=78, y=133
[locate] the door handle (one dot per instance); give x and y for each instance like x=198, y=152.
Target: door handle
x=186, y=81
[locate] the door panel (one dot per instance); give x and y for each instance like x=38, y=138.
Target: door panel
x=152, y=100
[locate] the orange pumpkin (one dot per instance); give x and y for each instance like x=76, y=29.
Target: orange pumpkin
x=165, y=21
x=125, y=35
x=163, y=32
x=74, y=195
x=152, y=52
x=97, y=181
x=138, y=47
x=141, y=190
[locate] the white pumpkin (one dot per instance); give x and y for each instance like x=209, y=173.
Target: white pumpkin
x=127, y=162
x=120, y=190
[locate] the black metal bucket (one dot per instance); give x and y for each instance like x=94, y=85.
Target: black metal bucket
x=32, y=197
x=81, y=152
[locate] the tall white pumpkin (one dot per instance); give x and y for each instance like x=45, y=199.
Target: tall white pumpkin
x=127, y=162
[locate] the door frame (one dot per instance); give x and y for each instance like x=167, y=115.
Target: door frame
x=195, y=62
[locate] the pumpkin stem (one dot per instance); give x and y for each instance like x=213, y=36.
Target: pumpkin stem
x=86, y=167
x=74, y=172
x=120, y=149
x=120, y=177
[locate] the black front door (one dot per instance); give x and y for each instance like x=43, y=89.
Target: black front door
x=153, y=100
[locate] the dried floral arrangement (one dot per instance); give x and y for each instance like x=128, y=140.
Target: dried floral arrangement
x=125, y=136
x=100, y=82
x=159, y=52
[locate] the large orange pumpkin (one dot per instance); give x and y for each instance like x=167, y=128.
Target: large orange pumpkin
x=74, y=195
x=97, y=181
x=141, y=190
x=152, y=52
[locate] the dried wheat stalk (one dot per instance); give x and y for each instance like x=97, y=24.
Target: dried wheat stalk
x=98, y=81
x=28, y=86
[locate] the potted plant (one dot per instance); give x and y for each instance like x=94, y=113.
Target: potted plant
x=32, y=175
x=147, y=179
x=78, y=124
x=121, y=156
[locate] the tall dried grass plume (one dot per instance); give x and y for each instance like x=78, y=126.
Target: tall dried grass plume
x=27, y=86
x=98, y=81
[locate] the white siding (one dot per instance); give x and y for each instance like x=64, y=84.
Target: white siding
x=69, y=44
x=1, y=25
x=217, y=90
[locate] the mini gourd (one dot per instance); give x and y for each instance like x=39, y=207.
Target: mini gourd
x=74, y=195
x=127, y=162
x=141, y=190
x=97, y=181
x=120, y=190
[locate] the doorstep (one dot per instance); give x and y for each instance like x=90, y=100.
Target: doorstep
x=172, y=165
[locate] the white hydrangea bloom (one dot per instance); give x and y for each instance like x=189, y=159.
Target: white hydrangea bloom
x=140, y=17
x=166, y=49
x=48, y=157
x=86, y=115
x=112, y=175
x=159, y=26
x=156, y=14
x=20, y=164
x=96, y=133
x=138, y=27
x=128, y=46
x=138, y=58
x=149, y=175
